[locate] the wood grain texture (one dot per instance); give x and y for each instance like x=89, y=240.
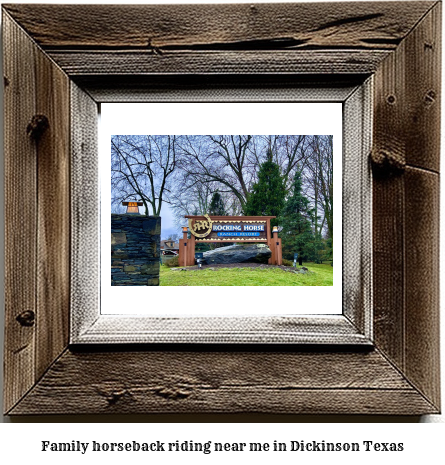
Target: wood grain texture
x=388, y=201
x=407, y=113
x=37, y=216
x=422, y=364
x=112, y=329
x=398, y=42
x=223, y=39
x=53, y=200
x=406, y=132
x=423, y=91
x=357, y=209
x=85, y=249
x=421, y=212
x=388, y=268
x=20, y=212
x=243, y=27
x=219, y=88
x=220, y=381
x=123, y=63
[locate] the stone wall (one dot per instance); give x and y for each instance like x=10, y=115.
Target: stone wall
x=135, y=250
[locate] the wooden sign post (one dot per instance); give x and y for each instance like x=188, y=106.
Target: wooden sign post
x=186, y=249
x=243, y=229
x=276, y=247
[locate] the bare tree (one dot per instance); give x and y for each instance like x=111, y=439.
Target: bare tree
x=291, y=154
x=288, y=152
x=190, y=196
x=319, y=174
x=230, y=165
x=220, y=159
x=185, y=171
x=141, y=167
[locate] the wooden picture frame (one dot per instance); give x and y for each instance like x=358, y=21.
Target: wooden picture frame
x=56, y=71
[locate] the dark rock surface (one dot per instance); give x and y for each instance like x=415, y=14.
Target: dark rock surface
x=135, y=250
x=239, y=253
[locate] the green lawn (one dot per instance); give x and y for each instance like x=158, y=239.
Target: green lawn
x=322, y=275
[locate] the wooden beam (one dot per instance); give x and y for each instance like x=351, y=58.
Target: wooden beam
x=274, y=26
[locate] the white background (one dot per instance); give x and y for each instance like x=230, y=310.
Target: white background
x=219, y=118
x=20, y=442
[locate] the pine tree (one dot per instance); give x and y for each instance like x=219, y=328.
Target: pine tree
x=217, y=205
x=296, y=220
x=216, y=208
x=268, y=194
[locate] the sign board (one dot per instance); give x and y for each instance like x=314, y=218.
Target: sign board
x=229, y=229
x=199, y=255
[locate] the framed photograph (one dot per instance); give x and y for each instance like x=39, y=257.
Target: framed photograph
x=250, y=295
x=77, y=343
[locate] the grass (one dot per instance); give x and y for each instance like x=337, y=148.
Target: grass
x=322, y=275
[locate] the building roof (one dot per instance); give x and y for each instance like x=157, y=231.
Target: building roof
x=169, y=244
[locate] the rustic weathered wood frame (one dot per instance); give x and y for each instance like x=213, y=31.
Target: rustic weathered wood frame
x=76, y=56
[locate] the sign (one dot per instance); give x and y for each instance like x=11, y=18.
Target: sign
x=238, y=230
x=199, y=255
x=196, y=226
x=231, y=229
x=220, y=229
x=295, y=256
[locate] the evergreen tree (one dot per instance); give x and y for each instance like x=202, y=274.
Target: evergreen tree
x=216, y=208
x=217, y=205
x=268, y=194
x=315, y=249
x=328, y=251
x=296, y=220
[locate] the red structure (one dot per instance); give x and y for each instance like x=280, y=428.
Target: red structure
x=243, y=229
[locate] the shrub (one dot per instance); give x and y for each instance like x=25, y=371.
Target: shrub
x=288, y=262
x=172, y=262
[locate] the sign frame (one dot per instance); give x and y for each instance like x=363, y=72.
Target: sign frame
x=229, y=219
x=51, y=116
x=187, y=245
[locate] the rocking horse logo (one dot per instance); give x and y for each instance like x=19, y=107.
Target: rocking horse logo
x=201, y=225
